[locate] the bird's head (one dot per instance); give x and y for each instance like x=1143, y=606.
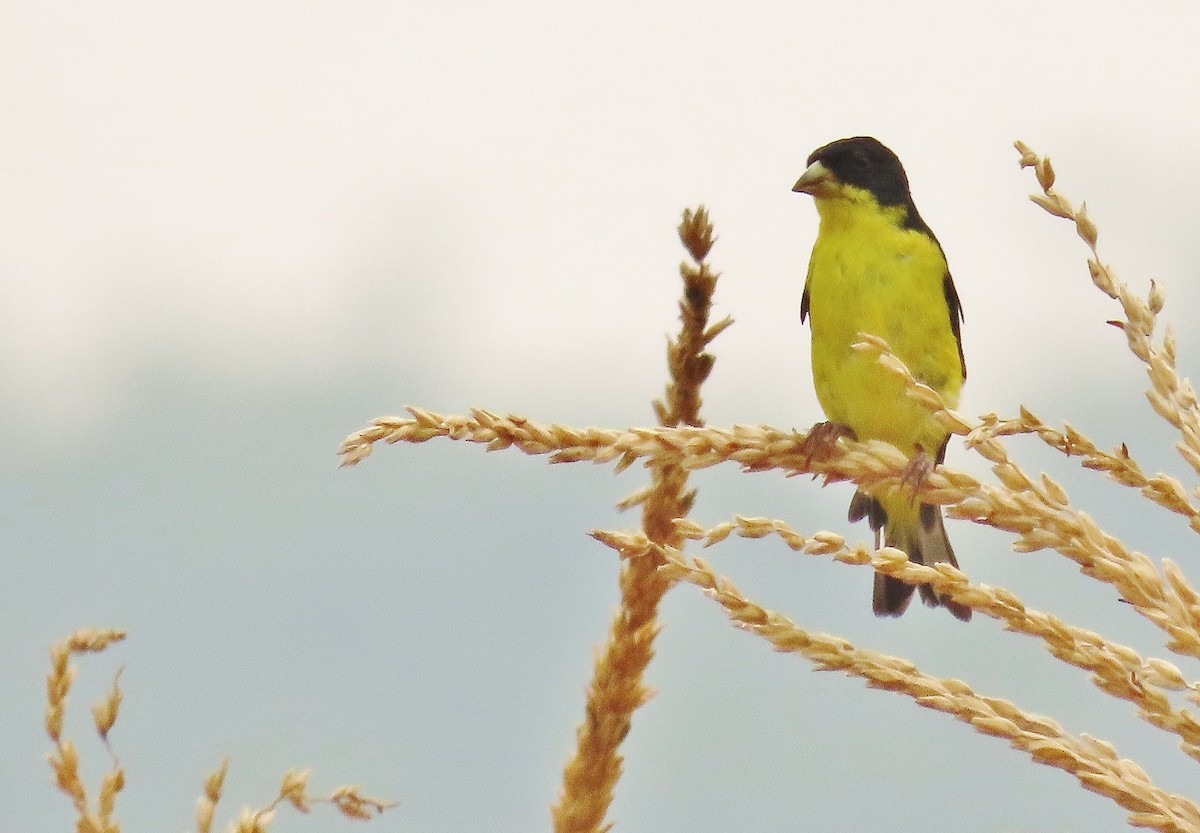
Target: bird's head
x=848, y=167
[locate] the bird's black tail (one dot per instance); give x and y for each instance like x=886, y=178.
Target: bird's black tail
x=921, y=535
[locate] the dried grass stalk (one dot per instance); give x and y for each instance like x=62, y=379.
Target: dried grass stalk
x=1172, y=397
x=1095, y=763
x=1037, y=510
x=65, y=759
x=617, y=687
x=1115, y=669
x=293, y=791
x=1119, y=464
x=100, y=819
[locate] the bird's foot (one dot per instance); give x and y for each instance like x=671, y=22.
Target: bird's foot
x=822, y=439
x=916, y=473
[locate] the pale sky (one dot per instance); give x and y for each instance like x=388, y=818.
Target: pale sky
x=230, y=235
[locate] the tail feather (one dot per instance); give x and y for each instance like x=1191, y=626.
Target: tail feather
x=891, y=596
x=921, y=535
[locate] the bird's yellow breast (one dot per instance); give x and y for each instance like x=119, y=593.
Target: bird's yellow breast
x=870, y=274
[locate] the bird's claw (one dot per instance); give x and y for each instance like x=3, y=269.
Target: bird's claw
x=916, y=473
x=822, y=439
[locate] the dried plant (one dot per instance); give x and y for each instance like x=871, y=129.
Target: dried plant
x=1037, y=511
x=100, y=819
x=616, y=689
x=65, y=759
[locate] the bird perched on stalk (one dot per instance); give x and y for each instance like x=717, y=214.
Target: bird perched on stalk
x=877, y=268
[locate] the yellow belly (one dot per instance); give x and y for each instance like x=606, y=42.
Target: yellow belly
x=887, y=281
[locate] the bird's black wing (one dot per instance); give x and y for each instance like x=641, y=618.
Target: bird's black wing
x=804, y=299
x=956, y=317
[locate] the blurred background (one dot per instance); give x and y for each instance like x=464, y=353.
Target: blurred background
x=234, y=233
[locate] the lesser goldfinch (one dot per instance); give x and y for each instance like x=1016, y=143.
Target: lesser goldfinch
x=877, y=268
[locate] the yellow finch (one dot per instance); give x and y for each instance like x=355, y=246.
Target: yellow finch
x=877, y=268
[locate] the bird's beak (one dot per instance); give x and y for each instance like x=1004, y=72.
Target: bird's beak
x=812, y=180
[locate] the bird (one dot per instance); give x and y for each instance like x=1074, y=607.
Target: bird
x=877, y=268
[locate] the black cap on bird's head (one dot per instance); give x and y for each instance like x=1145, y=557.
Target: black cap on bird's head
x=860, y=162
